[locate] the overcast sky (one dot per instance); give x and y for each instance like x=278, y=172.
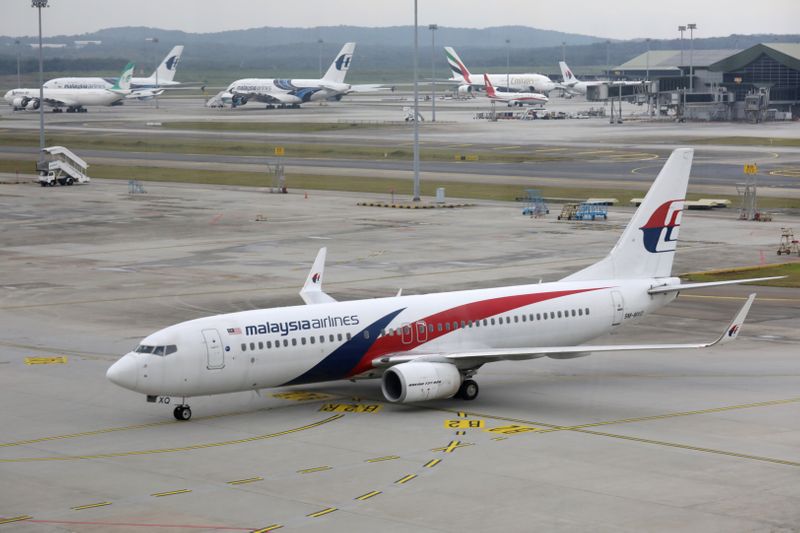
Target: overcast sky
x=617, y=19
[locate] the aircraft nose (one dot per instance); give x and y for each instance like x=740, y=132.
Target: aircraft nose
x=124, y=373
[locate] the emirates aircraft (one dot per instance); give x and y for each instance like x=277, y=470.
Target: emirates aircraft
x=430, y=346
x=530, y=82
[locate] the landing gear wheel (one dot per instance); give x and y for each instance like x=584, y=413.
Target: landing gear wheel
x=468, y=390
x=182, y=413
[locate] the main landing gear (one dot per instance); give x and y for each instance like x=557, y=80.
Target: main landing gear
x=182, y=412
x=468, y=391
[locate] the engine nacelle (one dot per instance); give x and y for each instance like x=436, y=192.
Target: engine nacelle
x=465, y=91
x=238, y=99
x=32, y=105
x=419, y=381
x=20, y=102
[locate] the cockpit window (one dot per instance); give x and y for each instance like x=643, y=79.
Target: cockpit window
x=156, y=350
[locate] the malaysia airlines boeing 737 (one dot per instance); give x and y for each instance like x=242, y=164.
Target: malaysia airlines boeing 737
x=429, y=346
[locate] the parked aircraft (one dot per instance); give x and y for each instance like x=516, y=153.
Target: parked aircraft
x=427, y=347
x=512, y=98
x=286, y=92
x=534, y=83
x=76, y=99
x=573, y=85
x=162, y=76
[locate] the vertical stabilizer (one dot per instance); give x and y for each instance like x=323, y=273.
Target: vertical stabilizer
x=647, y=246
x=567, y=75
x=165, y=72
x=457, y=67
x=338, y=69
x=124, y=81
x=489, y=87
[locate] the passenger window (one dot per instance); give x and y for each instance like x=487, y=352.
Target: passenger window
x=285, y=342
x=171, y=349
x=552, y=314
x=486, y=322
x=303, y=341
x=294, y=342
x=158, y=350
x=463, y=323
x=538, y=316
x=516, y=318
x=580, y=312
x=477, y=323
x=269, y=344
x=439, y=326
x=587, y=311
x=447, y=326
x=252, y=346
x=322, y=339
x=508, y=320
x=347, y=335
x=524, y=318
x=340, y=336
x=260, y=345
x=430, y=328
x=530, y=317
x=573, y=312
x=559, y=314
x=312, y=339
x=334, y=338
x=244, y=347
x=492, y=321
x=544, y=316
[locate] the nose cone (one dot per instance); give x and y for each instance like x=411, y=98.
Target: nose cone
x=124, y=373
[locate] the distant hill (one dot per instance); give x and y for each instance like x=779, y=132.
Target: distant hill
x=382, y=55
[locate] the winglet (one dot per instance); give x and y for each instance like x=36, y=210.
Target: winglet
x=733, y=329
x=311, y=293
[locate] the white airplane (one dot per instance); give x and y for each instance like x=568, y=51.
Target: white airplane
x=512, y=98
x=429, y=346
x=293, y=92
x=162, y=76
x=574, y=86
x=534, y=83
x=75, y=99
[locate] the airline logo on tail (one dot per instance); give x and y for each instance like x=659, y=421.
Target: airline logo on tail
x=456, y=65
x=660, y=233
x=343, y=61
x=172, y=62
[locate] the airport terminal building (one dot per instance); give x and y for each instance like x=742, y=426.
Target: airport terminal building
x=759, y=83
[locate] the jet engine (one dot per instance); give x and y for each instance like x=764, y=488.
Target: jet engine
x=464, y=91
x=238, y=99
x=32, y=104
x=419, y=381
x=20, y=102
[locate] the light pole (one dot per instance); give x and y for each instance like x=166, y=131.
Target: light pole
x=681, y=29
x=608, y=60
x=416, y=110
x=319, y=56
x=564, y=51
x=154, y=40
x=19, y=77
x=691, y=27
x=39, y=4
x=508, y=63
x=433, y=28
x=647, y=71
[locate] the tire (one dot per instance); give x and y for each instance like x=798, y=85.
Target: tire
x=70, y=181
x=469, y=390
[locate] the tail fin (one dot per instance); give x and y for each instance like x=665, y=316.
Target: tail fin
x=338, y=68
x=459, y=69
x=647, y=246
x=166, y=70
x=489, y=87
x=124, y=81
x=567, y=75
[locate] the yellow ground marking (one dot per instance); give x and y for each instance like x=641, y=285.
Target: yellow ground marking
x=15, y=519
x=245, y=481
x=302, y=396
x=315, y=469
x=464, y=424
x=90, y=506
x=462, y=145
x=452, y=446
x=550, y=149
x=350, y=408
x=379, y=459
x=512, y=429
x=500, y=438
x=432, y=463
x=512, y=147
x=176, y=449
x=267, y=529
x=170, y=493
x=368, y=495
x=459, y=445
x=462, y=414
x=405, y=479
x=322, y=512
x=461, y=432
x=60, y=360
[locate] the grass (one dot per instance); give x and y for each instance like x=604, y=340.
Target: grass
x=455, y=189
x=271, y=127
x=790, y=270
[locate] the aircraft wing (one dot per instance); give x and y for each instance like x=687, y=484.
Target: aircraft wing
x=145, y=93
x=469, y=359
x=58, y=102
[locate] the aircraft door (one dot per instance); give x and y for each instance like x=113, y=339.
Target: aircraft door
x=214, y=350
x=619, y=307
x=422, y=331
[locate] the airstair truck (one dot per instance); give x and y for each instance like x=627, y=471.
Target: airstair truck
x=61, y=166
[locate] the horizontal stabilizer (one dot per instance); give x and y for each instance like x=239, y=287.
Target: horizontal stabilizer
x=690, y=286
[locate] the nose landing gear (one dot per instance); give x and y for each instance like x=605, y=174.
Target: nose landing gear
x=182, y=412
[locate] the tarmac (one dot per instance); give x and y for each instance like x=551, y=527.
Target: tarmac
x=690, y=440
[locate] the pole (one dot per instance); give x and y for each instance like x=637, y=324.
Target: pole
x=39, y=4
x=608, y=60
x=433, y=28
x=19, y=77
x=416, y=111
x=681, y=29
x=508, y=68
x=691, y=27
x=564, y=51
x=319, y=57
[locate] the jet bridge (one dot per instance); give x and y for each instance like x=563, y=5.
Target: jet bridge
x=60, y=165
